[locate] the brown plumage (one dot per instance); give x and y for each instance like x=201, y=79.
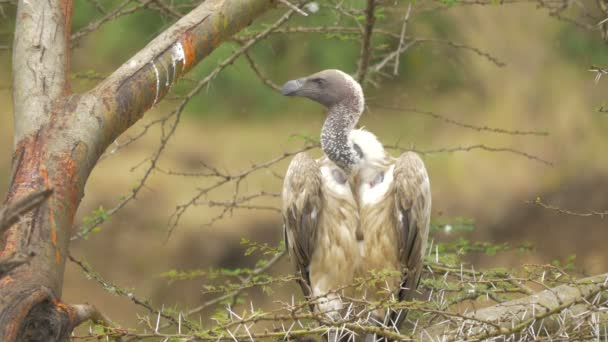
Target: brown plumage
x=355, y=211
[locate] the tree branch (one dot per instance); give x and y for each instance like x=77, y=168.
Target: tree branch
x=518, y=315
x=148, y=76
x=40, y=61
x=366, y=41
x=85, y=312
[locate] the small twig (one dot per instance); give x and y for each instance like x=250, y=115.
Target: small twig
x=260, y=75
x=110, y=287
x=167, y=9
x=461, y=124
x=119, y=11
x=237, y=292
x=98, y=6
x=538, y=201
x=599, y=72
x=402, y=38
x=473, y=147
x=393, y=55
x=294, y=7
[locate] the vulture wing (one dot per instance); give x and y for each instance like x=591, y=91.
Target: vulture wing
x=413, y=213
x=301, y=210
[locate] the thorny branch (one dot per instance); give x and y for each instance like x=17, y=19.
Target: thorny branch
x=571, y=308
x=114, y=289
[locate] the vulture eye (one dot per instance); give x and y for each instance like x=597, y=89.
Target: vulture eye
x=318, y=81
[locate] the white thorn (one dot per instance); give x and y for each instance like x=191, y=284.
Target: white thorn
x=158, y=319
x=179, y=323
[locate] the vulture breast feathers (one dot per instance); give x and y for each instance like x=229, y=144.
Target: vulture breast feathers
x=320, y=220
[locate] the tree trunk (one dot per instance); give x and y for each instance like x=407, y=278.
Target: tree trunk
x=59, y=137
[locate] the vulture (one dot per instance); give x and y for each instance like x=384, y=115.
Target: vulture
x=355, y=210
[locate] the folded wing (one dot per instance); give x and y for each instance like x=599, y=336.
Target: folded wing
x=301, y=211
x=413, y=213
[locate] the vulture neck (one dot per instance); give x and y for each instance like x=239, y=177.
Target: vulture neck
x=335, y=142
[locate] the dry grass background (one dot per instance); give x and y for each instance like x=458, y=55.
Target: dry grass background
x=537, y=90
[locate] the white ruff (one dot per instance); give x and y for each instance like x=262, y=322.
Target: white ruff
x=372, y=149
x=371, y=195
x=342, y=190
x=372, y=164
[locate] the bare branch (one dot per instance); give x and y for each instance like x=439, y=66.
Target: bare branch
x=118, y=11
x=473, y=147
x=226, y=178
x=461, y=124
x=366, y=41
x=402, y=37
x=538, y=201
x=40, y=62
x=114, y=289
x=85, y=312
x=294, y=7
x=259, y=73
x=148, y=76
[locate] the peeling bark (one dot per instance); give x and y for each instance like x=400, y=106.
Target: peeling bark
x=60, y=136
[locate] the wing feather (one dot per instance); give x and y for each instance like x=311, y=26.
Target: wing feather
x=412, y=214
x=301, y=210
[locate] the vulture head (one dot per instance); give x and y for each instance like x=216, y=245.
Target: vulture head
x=330, y=88
x=343, y=98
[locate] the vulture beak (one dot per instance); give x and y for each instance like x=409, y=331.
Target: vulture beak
x=291, y=87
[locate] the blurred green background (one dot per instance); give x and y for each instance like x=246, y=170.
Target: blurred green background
x=236, y=121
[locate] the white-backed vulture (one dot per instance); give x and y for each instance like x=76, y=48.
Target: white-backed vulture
x=357, y=209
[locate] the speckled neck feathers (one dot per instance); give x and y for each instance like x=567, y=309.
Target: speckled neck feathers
x=341, y=120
